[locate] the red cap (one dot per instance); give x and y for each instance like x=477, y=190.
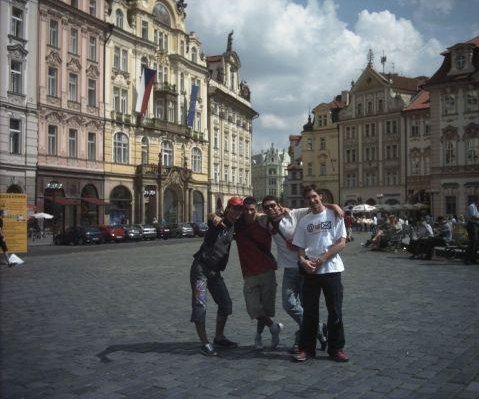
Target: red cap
x=235, y=201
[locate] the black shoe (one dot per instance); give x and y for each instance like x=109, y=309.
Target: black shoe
x=225, y=343
x=208, y=350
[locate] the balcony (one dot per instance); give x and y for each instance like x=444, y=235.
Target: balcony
x=161, y=124
x=165, y=88
x=120, y=117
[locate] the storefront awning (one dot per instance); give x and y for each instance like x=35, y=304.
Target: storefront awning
x=64, y=200
x=95, y=201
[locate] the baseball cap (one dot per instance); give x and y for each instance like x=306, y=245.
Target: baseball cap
x=235, y=201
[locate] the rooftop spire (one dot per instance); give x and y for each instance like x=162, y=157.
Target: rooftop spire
x=229, y=46
x=370, y=58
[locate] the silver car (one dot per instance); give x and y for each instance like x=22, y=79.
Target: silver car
x=183, y=230
x=148, y=231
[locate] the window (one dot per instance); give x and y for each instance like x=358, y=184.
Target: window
x=167, y=153
x=120, y=148
x=171, y=111
x=74, y=3
x=124, y=101
x=309, y=143
x=216, y=173
x=322, y=144
x=359, y=109
x=196, y=159
x=322, y=169
x=73, y=48
x=414, y=128
x=370, y=107
x=472, y=103
x=91, y=93
x=240, y=176
x=241, y=147
x=116, y=99
x=460, y=61
x=124, y=60
x=310, y=169
x=163, y=41
x=15, y=136
x=380, y=106
x=92, y=49
x=16, y=77
x=52, y=140
x=225, y=143
x=247, y=149
x=144, y=30
x=53, y=33
x=16, y=28
x=91, y=146
x=373, y=130
x=182, y=48
x=72, y=143
x=116, y=58
x=144, y=151
x=198, y=122
x=415, y=165
x=194, y=55
x=52, y=81
x=366, y=130
x=395, y=152
x=119, y=19
x=182, y=82
x=449, y=104
x=450, y=152
x=427, y=128
x=225, y=173
x=348, y=156
x=72, y=87
x=93, y=7
x=450, y=202
x=472, y=151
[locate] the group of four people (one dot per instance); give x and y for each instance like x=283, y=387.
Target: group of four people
x=308, y=241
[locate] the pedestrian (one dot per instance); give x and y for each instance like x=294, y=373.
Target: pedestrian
x=210, y=260
x=348, y=221
x=472, y=233
x=320, y=237
x=258, y=266
x=3, y=242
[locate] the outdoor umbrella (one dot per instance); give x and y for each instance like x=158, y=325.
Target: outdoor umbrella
x=363, y=208
x=42, y=215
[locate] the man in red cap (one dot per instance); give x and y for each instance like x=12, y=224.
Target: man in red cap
x=210, y=260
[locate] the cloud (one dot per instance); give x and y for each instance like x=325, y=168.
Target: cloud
x=295, y=56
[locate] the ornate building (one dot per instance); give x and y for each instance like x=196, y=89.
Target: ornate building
x=269, y=171
x=292, y=195
x=372, y=138
x=454, y=108
x=18, y=97
x=320, y=153
x=156, y=165
x=71, y=36
x=230, y=125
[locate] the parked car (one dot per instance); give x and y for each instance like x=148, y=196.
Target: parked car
x=182, y=230
x=148, y=231
x=113, y=233
x=163, y=230
x=78, y=235
x=200, y=229
x=133, y=232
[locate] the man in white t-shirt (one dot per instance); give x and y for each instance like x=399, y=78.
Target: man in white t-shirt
x=320, y=237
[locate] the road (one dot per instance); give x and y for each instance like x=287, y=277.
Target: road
x=112, y=321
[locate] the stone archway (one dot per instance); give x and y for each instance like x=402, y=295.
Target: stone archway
x=14, y=189
x=172, y=205
x=89, y=206
x=198, y=209
x=120, y=205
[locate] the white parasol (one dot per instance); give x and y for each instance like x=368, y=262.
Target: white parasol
x=364, y=208
x=42, y=215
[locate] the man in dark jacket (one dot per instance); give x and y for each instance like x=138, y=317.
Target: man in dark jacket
x=210, y=261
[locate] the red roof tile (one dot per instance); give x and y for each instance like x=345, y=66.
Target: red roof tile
x=420, y=101
x=404, y=83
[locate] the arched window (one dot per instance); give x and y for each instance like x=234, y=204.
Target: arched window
x=120, y=148
x=161, y=14
x=194, y=55
x=196, y=159
x=472, y=151
x=167, y=153
x=119, y=19
x=450, y=152
x=144, y=151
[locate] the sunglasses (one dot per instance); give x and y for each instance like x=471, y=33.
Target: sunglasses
x=270, y=206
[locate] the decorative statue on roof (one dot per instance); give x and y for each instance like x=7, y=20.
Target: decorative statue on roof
x=180, y=6
x=244, y=90
x=229, y=46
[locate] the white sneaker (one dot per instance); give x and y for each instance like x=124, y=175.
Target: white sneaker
x=258, y=342
x=275, y=330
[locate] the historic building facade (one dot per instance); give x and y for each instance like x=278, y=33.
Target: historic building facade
x=320, y=151
x=156, y=165
x=293, y=195
x=372, y=138
x=71, y=36
x=454, y=108
x=18, y=97
x=269, y=170
x=230, y=125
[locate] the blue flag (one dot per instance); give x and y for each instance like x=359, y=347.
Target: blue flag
x=191, y=111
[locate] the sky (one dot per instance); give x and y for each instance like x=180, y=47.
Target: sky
x=296, y=54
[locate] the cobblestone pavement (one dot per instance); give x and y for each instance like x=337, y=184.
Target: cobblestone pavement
x=112, y=321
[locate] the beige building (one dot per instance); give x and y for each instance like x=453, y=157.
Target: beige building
x=319, y=149
x=454, y=107
x=71, y=36
x=230, y=125
x=372, y=138
x=18, y=97
x=155, y=165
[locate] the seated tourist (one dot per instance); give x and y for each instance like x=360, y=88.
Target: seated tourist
x=424, y=247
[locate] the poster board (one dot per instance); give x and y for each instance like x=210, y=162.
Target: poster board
x=14, y=208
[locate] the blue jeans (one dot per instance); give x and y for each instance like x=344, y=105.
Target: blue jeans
x=291, y=294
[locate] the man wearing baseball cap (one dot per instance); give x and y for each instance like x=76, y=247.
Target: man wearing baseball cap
x=210, y=260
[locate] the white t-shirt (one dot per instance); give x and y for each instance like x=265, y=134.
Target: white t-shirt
x=472, y=212
x=286, y=257
x=316, y=233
